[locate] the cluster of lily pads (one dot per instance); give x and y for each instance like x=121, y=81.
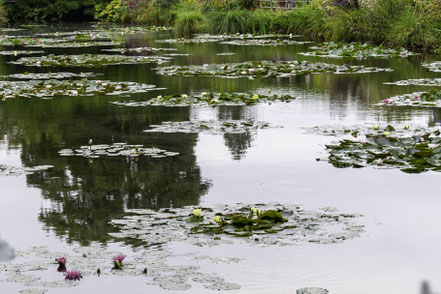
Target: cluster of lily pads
x=411, y=150
x=212, y=127
x=6, y=170
x=206, y=38
x=116, y=150
x=433, y=66
x=138, y=50
x=49, y=75
x=20, y=52
x=83, y=87
x=209, y=98
x=129, y=30
x=431, y=98
x=355, y=50
x=264, y=42
x=32, y=267
x=88, y=60
x=260, y=224
x=436, y=82
x=81, y=44
x=262, y=69
x=27, y=41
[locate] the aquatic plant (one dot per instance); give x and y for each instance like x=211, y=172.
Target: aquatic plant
x=355, y=50
x=20, y=52
x=77, y=44
x=83, y=87
x=411, y=151
x=138, y=50
x=118, y=261
x=267, y=225
x=49, y=75
x=265, y=42
x=73, y=275
x=211, y=127
x=433, y=66
x=436, y=82
x=88, y=60
x=264, y=69
x=209, y=98
x=431, y=98
x=61, y=261
x=116, y=149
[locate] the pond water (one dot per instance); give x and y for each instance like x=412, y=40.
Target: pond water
x=69, y=207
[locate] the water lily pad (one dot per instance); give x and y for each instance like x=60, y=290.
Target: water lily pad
x=417, y=82
x=411, y=150
x=433, y=66
x=209, y=98
x=355, y=50
x=236, y=225
x=49, y=76
x=88, y=60
x=33, y=291
x=138, y=50
x=265, y=42
x=263, y=69
x=312, y=290
x=21, y=52
x=77, y=44
x=211, y=127
x=6, y=170
x=52, y=88
x=117, y=149
x=431, y=98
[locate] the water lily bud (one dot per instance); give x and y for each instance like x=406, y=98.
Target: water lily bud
x=15, y=53
x=204, y=93
x=259, y=213
x=376, y=127
x=90, y=141
x=197, y=212
x=406, y=127
x=159, y=97
x=253, y=210
x=386, y=133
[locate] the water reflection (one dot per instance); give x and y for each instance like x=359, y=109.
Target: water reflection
x=425, y=288
x=86, y=194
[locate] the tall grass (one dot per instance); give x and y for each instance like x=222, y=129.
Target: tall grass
x=235, y=21
x=188, y=22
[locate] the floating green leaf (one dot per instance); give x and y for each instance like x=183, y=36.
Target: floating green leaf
x=263, y=69
x=409, y=150
x=355, y=50
x=212, y=127
x=88, y=60
x=117, y=149
x=52, y=88
x=211, y=98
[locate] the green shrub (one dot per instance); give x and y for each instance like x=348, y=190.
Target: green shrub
x=235, y=21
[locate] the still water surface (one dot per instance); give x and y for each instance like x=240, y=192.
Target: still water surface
x=72, y=203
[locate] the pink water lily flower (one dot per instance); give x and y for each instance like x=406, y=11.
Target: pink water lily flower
x=118, y=260
x=73, y=275
x=386, y=101
x=416, y=96
x=61, y=260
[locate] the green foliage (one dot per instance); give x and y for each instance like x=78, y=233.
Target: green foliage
x=51, y=10
x=235, y=21
x=188, y=22
x=308, y=20
x=112, y=12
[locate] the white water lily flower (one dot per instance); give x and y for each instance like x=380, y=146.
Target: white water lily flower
x=204, y=93
x=159, y=96
x=255, y=96
x=432, y=146
x=378, y=161
x=197, y=212
x=184, y=96
x=253, y=210
x=376, y=127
